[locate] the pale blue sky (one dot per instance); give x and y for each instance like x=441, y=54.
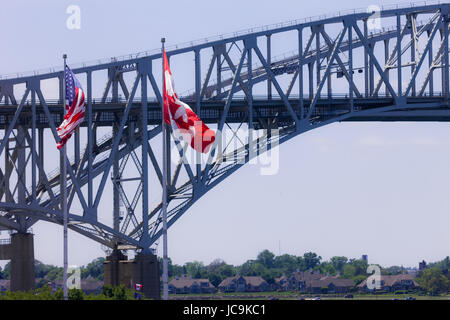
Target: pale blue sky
x=346, y=189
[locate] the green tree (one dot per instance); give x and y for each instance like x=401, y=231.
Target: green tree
x=41, y=269
x=252, y=268
x=433, y=281
x=94, y=269
x=360, y=266
x=76, y=294
x=327, y=268
x=214, y=278
x=270, y=275
x=107, y=291
x=226, y=271
x=1, y=273
x=59, y=294
x=119, y=293
x=196, y=269
x=246, y=267
x=55, y=274
x=348, y=271
x=442, y=265
x=45, y=293
x=286, y=263
x=311, y=260
x=215, y=265
x=7, y=270
x=266, y=258
x=338, y=262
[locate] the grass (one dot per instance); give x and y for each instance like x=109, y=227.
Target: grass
x=290, y=295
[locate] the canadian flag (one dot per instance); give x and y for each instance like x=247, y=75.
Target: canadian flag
x=185, y=124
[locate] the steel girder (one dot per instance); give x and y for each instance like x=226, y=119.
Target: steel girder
x=330, y=49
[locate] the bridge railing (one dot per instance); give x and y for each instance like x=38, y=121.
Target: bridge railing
x=187, y=97
x=210, y=39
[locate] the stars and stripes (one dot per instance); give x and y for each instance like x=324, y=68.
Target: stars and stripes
x=185, y=124
x=75, y=106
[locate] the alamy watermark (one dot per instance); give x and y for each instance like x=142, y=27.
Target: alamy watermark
x=256, y=147
x=73, y=21
x=374, y=280
x=74, y=278
x=374, y=21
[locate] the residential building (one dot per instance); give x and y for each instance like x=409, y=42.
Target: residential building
x=300, y=281
x=244, y=284
x=183, y=285
x=329, y=284
x=281, y=283
x=392, y=283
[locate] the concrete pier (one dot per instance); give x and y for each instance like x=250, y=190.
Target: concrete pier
x=21, y=253
x=144, y=269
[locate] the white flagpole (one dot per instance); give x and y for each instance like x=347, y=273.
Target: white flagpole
x=164, y=197
x=64, y=190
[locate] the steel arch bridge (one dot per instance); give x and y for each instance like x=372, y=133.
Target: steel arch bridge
x=356, y=66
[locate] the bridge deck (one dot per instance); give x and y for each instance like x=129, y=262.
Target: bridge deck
x=432, y=108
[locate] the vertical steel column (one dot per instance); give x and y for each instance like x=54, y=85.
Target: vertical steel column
x=350, y=66
x=372, y=69
x=399, y=57
x=250, y=89
x=198, y=88
x=366, y=63
x=115, y=85
x=311, y=80
x=446, y=58
x=8, y=171
x=269, y=62
x=300, y=72
x=219, y=72
x=317, y=56
x=33, y=144
x=41, y=152
x=76, y=147
x=21, y=168
x=116, y=182
x=329, y=92
x=441, y=31
x=90, y=138
x=61, y=87
x=145, y=188
x=430, y=65
x=251, y=147
x=412, y=21
x=386, y=59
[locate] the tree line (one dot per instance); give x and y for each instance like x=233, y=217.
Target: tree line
x=434, y=279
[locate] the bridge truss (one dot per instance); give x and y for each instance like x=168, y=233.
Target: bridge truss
x=399, y=73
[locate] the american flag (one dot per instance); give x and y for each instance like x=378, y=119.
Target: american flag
x=75, y=106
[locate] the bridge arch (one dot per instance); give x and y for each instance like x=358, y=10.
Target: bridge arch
x=279, y=115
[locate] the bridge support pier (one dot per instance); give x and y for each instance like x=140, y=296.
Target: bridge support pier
x=21, y=253
x=144, y=269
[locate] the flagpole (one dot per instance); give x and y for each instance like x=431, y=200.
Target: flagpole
x=164, y=197
x=64, y=190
